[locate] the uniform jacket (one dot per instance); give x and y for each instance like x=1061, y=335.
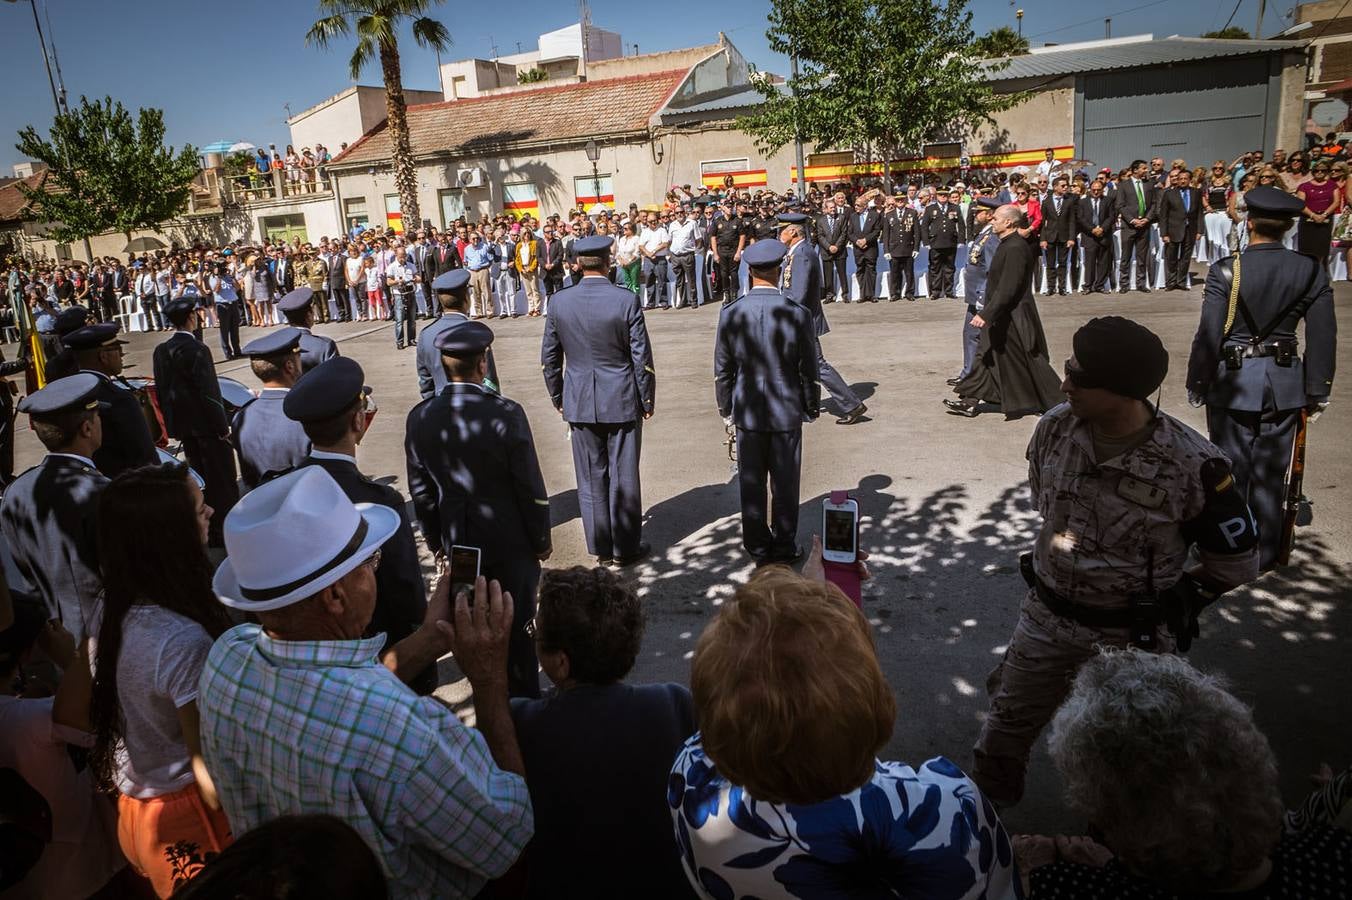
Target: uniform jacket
x=1271, y=278
x=800, y=280
x=980, y=255
x=1128, y=204
x=1058, y=228
x=189, y=393
x=266, y=440
x=725, y=233
x=431, y=374
x=832, y=231
x=474, y=476
x=868, y=230
x=1176, y=222
x=315, y=349
x=943, y=227
x=765, y=362
x=597, y=361
x=1084, y=219
x=901, y=231
x=126, y=435
x=49, y=518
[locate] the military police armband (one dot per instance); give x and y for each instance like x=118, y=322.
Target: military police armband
x=1225, y=524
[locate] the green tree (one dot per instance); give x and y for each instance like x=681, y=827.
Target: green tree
x=107, y=171
x=376, y=24
x=532, y=76
x=881, y=76
x=1228, y=33
x=1002, y=41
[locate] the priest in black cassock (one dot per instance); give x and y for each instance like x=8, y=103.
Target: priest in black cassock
x=1011, y=368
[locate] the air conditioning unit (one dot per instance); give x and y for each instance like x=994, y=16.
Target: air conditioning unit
x=473, y=177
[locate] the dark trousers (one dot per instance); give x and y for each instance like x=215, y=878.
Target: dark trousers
x=654, y=279
x=1259, y=446
x=776, y=455
x=553, y=281
x=971, y=338
x=150, y=305
x=830, y=379
x=228, y=316
x=405, y=323
x=1058, y=255
x=942, y=269
x=319, y=303
x=605, y=458
x=1137, y=240
x=110, y=308
x=683, y=264
x=835, y=277
x=901, y=277
x=1177, y=258
x=726, y=288
x=212, y=458
x=521, y=577
x=1098, y=259
x=6, y=433
x=866, y=270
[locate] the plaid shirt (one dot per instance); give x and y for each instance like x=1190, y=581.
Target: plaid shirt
x=299, y=727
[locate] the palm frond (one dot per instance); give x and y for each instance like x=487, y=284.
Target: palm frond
x=363, y=53
x=428, y=32
x=327, y=29
x=377, y=28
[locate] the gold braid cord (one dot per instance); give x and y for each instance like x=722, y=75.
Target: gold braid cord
x=1234, y=301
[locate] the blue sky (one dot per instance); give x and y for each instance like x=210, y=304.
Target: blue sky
x=224, y=71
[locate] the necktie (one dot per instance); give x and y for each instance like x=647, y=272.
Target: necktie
x=1057, y=204
x=1187, y=196
x=1140, y=197
x=1095, y=204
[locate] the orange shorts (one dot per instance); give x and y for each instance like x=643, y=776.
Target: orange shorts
x=169, y=838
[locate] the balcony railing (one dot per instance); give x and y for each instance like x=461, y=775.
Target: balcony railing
x=260, y=187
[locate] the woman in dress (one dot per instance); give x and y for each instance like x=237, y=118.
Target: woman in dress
x=628, y=262
x=1323, y=201
x=1216, y=202
x=1239, y=212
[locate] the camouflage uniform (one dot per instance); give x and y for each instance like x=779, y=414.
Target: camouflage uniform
x=1098, y=521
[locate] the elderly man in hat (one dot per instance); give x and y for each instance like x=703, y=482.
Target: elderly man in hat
x=127, y=442
x=1126, y=492
x=302, y=715
x=1246, y=364
x=266, y=440
x=49, y=514
x=299, y=309
x=450, y=290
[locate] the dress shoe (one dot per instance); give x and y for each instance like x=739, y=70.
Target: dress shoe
x=644, y=550
x=1143, y=290
x=1085, y=292
x=1122, y=290
x=952, y=382
x=962, y=407
x=853, y=415
x=605, y=561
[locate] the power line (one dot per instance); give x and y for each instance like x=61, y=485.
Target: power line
x=1120, y=12
x=1328, y=22
x=1232, y=16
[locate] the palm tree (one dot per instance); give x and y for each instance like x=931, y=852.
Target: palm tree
x=376, y=24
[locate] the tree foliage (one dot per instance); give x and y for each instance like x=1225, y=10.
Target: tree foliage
x=881, y=76
x=1228, y=33
x=107, y=171
x=1002, y=41
x=531, y=76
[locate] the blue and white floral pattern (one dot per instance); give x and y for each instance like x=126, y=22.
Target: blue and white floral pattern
x=906, y=833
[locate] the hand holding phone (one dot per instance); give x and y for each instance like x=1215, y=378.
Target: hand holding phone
x=464, y=571
x=840, y=544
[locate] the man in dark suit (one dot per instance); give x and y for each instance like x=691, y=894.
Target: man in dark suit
x=832, y=226
x=330, y=403
x=943, y=229
x=190, y=401
x=336, y=259
x=441, y=257
x=598, y=368
x=450, y=292
x=283, y=272
x=1180, y=219
x=1252, y=377
x=1137, y=201
x=113, y=288
x=298, y=309
x=475, y=481
x=1094, y=217
x=901, y=245
x=551, y=261
x=1059, y=230
x=863, y=228
x=127, y=442
x=765, y=379
x=49, y=514
x=269, y=443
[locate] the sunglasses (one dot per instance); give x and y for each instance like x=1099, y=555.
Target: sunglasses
x=1081, y=378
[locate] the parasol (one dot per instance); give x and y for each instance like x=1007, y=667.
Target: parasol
x=141, y=244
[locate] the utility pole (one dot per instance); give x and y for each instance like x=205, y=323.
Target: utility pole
x=56, y=61
x=797, y=131
x=47, y=61
x=1258, y=26
x=1107, y=28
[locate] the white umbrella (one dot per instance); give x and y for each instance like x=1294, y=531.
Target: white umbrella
x=597, y=209
x=242, y=145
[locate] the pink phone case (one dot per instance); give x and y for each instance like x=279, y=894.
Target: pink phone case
x=845, y=575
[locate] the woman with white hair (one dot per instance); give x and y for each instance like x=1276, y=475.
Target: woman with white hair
x=1182, y=788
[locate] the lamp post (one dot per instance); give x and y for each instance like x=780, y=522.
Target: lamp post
x=1018, y=15
x=42, y=42
x=593, y=154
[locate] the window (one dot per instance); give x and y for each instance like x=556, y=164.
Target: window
x=394, y=219
x=521, y=199
x=590, y=190
x=452, y=203
x=355, y=208
x=283, y=229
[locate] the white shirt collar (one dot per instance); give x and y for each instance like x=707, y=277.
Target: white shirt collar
x=327, y=454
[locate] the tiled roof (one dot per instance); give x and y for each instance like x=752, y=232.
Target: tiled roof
x=12, y=202
x=559, y=113
x=1096, y=57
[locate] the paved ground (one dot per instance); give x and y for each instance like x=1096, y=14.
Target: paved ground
x=946, y=509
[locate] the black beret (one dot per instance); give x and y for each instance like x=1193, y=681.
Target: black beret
x=1121, y=356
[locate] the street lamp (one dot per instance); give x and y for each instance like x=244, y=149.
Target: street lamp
x=593, y=154
x=42, y=42
x=1018, y=15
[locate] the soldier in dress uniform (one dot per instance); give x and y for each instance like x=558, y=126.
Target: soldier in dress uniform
x=1246, y=364
x=450, y=292
x=60, y=360
x=980, y=255
x=49, y=514
x=901, y=245
x=598, y=368
x=127, y=442
x=801, y=281
x=765, y=380
x=268, y=442
x=190, y=401
x=475, y=481
x=299, y=310
x=1126, y=492
x=943, y=231
x=728, y=234
x=330, y=403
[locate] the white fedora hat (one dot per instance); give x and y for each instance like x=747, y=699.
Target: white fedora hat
x=289, y=538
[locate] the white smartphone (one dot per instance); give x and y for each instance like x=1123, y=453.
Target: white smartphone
x=464, y=570
x=840, y=531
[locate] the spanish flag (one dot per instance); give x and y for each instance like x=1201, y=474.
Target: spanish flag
x=749, y=178
x=932, y=164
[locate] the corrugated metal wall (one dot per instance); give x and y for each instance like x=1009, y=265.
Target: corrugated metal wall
x=1201, y=112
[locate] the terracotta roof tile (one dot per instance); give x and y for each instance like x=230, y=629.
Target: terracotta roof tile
x=12, y=202
x=563, y=112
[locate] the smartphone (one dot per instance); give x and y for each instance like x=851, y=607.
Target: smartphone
x=840, y=531
x=464, y=570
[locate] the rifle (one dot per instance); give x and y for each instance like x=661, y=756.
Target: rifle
x=1296, y=510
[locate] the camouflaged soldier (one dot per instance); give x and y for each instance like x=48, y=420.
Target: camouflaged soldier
x=1125, y=492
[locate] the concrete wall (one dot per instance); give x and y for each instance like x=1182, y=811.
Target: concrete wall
x=348, y=116
x=1291, y=109
x=647, y=62
x=1046, y=119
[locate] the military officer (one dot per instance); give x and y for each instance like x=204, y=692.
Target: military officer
x=330, y=403
x=127, y=442
x=943, y=231
x=980, y=255
x=475, y=481
x=598, y=368
x=450, y=291
x=190, y=401
x=49, y=514
x=1125, y=492
x=266, y=440
x=765, y=380
x=1246, y=364
x=801, y=281
x=315, y=271
x=901, y=245
x=299, y=309
x=728, y=234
